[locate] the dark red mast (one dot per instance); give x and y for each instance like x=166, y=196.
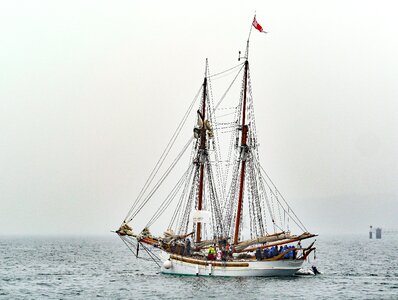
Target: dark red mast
x=202, y=153
x=243, y=149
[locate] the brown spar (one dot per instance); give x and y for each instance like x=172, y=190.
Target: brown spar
x=299, y=238
x=263, y=240
x=307, y=253
x=269, y=235
x=243, y=144
x=198, y=227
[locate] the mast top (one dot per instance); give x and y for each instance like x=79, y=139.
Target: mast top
x=259, y=28
x=246, y=57
x=206, y=66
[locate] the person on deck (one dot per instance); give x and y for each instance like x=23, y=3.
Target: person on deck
x=188, y=247
x=231, y=250
x=181, y=248
x=173, y=247
x=271, y=252
x=219, y=254
x=299, y=247
x=291, y=253
x=258, y=253
x=223, y=254
x=266, y=253
x=212, y=253
x=286, y=254
x=228, y=249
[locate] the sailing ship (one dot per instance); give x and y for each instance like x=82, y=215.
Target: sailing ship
x=226, y=216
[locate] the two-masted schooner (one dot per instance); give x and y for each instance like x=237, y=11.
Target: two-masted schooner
x=227, y=218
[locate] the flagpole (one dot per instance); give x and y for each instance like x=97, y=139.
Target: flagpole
x=248, y=38
x=251, y=26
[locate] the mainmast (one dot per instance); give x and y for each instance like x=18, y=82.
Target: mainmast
x=243, y=146
x=202, y=153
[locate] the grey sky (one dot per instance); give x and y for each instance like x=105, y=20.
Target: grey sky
x=91, y=91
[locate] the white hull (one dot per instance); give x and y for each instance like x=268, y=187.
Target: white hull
x=287, y=267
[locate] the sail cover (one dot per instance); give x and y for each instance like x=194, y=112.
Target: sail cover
x=201, y=216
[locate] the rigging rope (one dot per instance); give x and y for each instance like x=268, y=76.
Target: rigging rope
x=232, y=113
x=215, y=141
x=225, y=71
x=162, y=178
x=163, y=156
x=302, y=227
x=177, y=211
x=168, y=199
x=229, y=87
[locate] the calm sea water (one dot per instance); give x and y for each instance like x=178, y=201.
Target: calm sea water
x=353, y=267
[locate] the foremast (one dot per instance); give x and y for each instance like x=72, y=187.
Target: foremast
x=207, y=206
x=202, y=153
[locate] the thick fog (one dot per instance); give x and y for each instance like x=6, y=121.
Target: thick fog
x=91, y=91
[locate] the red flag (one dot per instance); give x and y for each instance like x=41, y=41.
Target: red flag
x=257, y=26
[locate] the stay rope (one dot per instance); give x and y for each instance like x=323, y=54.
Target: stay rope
x=169, y=198
x=163, y=177
x=225, y=71
x=164, y=155
x=276, y=193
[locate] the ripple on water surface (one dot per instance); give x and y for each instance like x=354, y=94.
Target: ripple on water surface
x=58, y=268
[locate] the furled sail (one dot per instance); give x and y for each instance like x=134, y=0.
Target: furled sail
x=125, y=229
x=264, y=239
